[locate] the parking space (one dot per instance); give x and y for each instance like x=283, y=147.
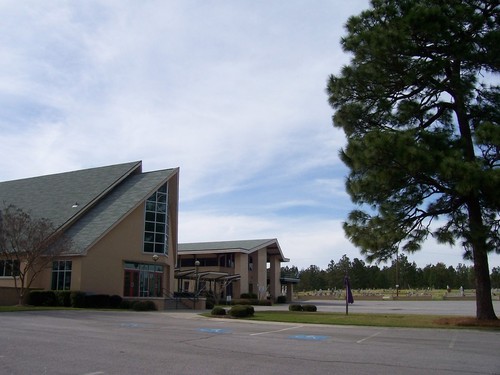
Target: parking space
x=90, y=342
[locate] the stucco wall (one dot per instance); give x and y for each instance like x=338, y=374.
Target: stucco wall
x=102, y=268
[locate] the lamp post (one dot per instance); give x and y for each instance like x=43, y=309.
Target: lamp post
x=156, y=290
x=196, y=265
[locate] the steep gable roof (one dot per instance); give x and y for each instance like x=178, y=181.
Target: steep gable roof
x=88, y=203
x=62, y=197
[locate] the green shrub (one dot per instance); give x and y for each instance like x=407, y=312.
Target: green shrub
x=295, y=307
x=281, y=299
x=97, y=301
x=63, y=298
x=218, y=311
x=35, y=298
x=241, y=311
x=151, y=305
x=125, y=304
x=210, y=300
x=77, y=299
x=248, y=296
x=310, y=308
x=144, y=306
x=115, y=301
x=264, y=303
x=42, y=298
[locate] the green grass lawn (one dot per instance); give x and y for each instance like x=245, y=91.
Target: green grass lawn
x=33, y=308
x=375, y=320
x=354, y=319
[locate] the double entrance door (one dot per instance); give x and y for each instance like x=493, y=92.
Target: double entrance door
x=140, y=283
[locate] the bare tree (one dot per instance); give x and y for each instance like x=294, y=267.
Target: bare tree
x=29, y=245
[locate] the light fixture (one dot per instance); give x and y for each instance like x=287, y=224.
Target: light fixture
x=156, y=257
x=196, y=282
x=75, y=205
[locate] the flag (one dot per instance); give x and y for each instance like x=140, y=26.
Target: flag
x=349, y=297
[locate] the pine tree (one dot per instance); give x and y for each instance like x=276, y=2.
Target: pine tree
x=422, y=122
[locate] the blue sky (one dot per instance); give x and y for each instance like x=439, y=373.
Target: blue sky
x=232, y=92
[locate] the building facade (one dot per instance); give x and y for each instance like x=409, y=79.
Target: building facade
x=122, y=224
x=232, y=268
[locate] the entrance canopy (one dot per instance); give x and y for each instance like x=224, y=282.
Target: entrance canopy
x=192, y=274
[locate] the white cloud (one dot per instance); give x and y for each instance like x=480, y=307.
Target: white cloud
x=230, y=92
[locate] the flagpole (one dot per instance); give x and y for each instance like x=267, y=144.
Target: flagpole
x=346, y=295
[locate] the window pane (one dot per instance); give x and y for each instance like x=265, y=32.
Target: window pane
x=148, y=247
x=8, y=268
x=159, y=248
x=60, y=281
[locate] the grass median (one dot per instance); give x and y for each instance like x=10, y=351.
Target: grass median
x=374, y=320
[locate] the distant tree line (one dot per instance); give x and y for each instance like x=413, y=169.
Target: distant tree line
x=401, y=272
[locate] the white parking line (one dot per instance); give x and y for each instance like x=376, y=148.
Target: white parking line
x=453, y=340
x=367, y=338
x=279, y=330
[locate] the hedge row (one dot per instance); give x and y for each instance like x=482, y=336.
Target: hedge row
x=241, y=311
x=248, y=296
x=217, y=310
x=83, y=300
x=237, y=311
x=296, y=307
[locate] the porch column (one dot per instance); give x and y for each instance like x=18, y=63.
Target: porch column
x=274, y=277
x=260, y=264
x=289, y=292
x=241, y=268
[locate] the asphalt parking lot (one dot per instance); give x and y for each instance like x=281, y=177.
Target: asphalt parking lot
x=182, y=342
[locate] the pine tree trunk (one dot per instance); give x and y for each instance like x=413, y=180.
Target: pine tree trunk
x=484, y=302
x=478, y=237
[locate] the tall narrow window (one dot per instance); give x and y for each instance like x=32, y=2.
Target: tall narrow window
x=156, y=222
x=61, y=275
